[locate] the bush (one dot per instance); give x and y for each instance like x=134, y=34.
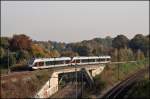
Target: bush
x=19, y=68
x=99, y=83
x=11, y=58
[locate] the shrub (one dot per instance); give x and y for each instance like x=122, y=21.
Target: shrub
x=99, y=83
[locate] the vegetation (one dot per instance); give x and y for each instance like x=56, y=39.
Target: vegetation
x=139, y=90
x=99, y=83
x=109, y=77
x=25, y=85
x=20, y=48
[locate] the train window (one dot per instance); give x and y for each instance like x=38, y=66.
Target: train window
x=67, y=61
x=102, y=59
x=108, y=59
x=73, y=61
x=78, y=61
x=98, y=60
x=91, y=60
x=31, y=61
x=41, y=63
x=36, y=64
x=49, y=63
x=59, y=62
x=84, y=60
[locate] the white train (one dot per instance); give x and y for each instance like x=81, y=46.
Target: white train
x=39, y=63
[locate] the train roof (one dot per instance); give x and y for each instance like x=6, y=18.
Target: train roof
x=91, y=57
x=68, y=58
x=52, y=59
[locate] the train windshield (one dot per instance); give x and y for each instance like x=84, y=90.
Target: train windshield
x=31, y=61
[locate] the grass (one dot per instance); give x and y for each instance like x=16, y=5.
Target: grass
x=140, y=89
x=25, y=86
x=110, y=75
x=129, y=68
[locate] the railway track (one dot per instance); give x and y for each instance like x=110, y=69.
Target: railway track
x=120, y=89
x=27, y=71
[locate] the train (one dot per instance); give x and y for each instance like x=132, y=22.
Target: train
x=41, y=63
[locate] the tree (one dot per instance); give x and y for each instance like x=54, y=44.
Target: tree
x=69, y=53
x=97, y=51
x=120, y=41
x=114, y=54
x=83, y=50
x=20, y=42
x=139, y=42
x=12, y=60
x=2, y=51
x=54, y=53
x=130, y=54
x=4, y=42
x=23, y=54
x=139, y=55
x=37, y=51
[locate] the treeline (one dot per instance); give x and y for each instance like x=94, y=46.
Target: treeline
x=20, y=48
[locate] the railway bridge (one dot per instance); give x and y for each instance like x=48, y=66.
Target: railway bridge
x=51, y=86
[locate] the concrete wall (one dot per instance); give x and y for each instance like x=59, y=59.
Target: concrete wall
x=97, y=71
x=51, y=86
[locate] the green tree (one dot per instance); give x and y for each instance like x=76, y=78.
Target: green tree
x=4, y=42
x=140, y=42
x=11, y=59
x=23, y=54
x=83, y=50
x=120, y=41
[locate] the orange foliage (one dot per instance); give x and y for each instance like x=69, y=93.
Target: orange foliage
x=37, y=50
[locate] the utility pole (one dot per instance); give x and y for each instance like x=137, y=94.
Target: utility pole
x=8, y=62
x=76, y=83
x=76, y=78
x=81, y=84
x=118, y=61
x=49, y=81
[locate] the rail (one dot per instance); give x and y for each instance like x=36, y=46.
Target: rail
x=116, y=91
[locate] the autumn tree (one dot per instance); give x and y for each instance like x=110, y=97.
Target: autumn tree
x=37, y=51
x=69, y=53
x=54, y=53
x=20, y=42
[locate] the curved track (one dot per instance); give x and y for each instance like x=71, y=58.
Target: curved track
x=119, y=90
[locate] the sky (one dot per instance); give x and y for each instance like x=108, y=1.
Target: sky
x=72, y=21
